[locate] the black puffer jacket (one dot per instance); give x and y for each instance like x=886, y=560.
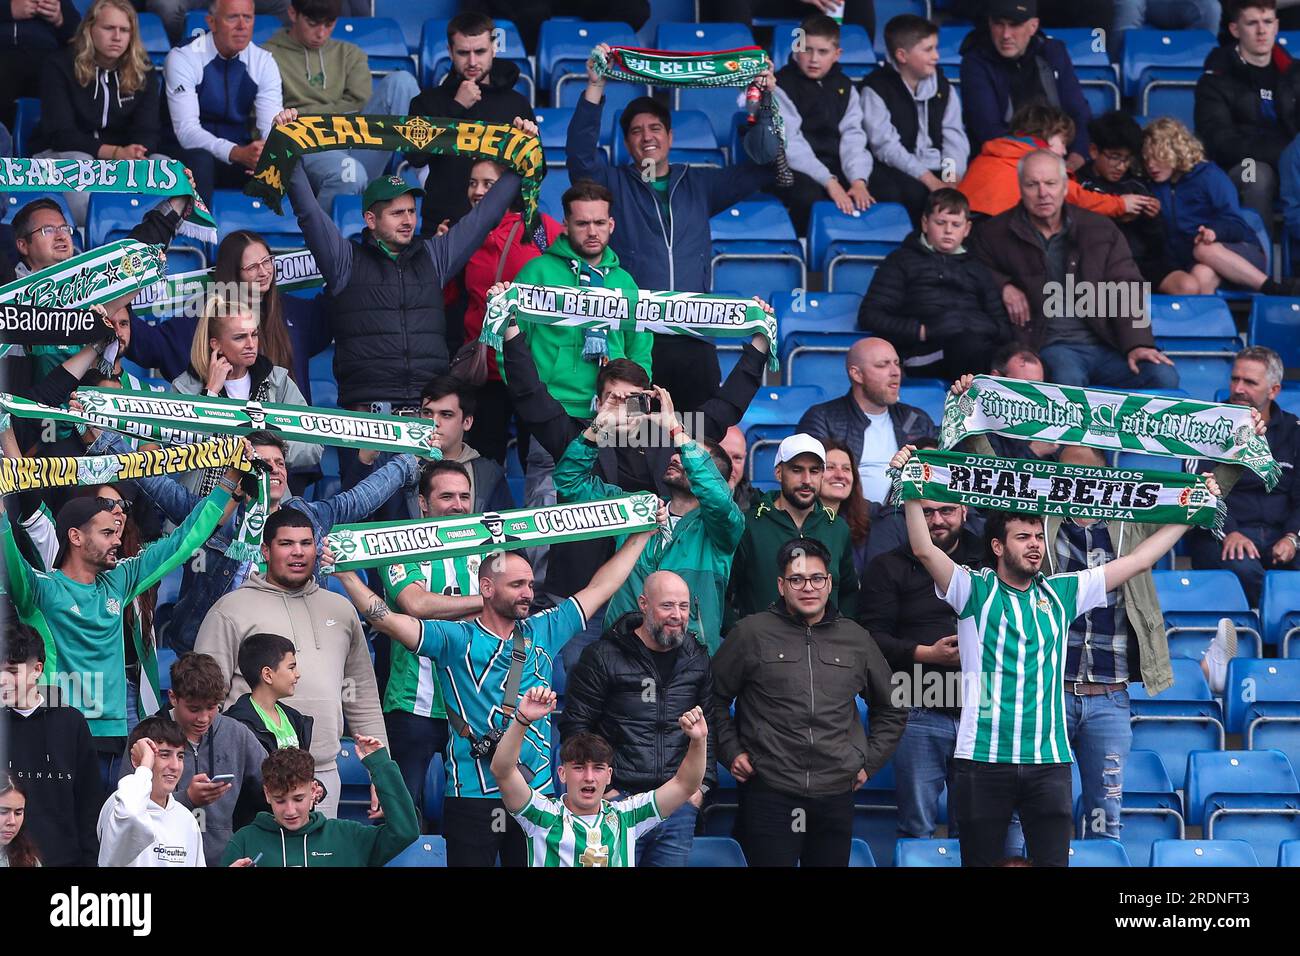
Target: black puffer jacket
x=499, y=102
x=953, y=296
x=607, y=695
x=1228, y=106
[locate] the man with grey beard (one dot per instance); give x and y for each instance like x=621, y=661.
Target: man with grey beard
x=624, y=686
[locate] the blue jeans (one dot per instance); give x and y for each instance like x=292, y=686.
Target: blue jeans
x=923, y=766
x=348, y=171
x=1100, y=737
x=669, y=844
x=1167, y=14
x=1100, y=366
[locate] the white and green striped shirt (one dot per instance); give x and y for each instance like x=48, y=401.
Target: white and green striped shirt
x=559, y=837
x=1012, y=646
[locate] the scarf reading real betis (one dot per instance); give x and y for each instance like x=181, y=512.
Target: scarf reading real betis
x=1151, y=424
x=148, y=177
x=501, y=142
x=174, y=419
x=24, y=474
x=736, y=67
x=617, y=310
x=432, y=539
x=33, y=325
x=293, y=271
x=1049, y=488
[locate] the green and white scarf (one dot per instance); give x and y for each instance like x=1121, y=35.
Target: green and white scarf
x=675, y=313
x=432, y=539
x=175, y=419
x=147, y=177
x=1050, y=488
x=293, y=271
x=500, y=142
x=247, y=544
x=1150, y=424
x=663, y=68
x=25, y=474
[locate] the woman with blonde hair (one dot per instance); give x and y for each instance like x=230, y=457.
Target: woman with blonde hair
x=100, y=98
x=1211, y=242
x=226, y=362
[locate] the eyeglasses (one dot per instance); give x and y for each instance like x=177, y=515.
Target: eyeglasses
x=64, y=230
x=946, y=511
x=799, y=581
x=261, y=265
x=115, y=504
x=1119, y=159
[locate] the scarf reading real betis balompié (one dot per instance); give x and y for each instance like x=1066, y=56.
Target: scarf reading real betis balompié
x=35, y=325
x=1151, y=424
x=432, y=539
x=24, y=474
x=289, y=142
x=147, y=177
x=618, y=310
x=175, y=419
x=1051, y=488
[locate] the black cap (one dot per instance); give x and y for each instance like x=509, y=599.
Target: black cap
x=75, y=514
x=644, y=104
x=1017, y=11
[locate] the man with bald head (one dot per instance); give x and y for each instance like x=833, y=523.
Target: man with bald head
x=645, y=665
x=1071, y=287
x=869, y=418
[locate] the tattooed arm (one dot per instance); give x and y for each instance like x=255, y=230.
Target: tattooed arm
x=400, y=627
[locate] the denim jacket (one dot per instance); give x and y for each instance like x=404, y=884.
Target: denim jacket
x=201, y=589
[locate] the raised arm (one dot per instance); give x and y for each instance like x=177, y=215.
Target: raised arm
x=1144, y=556
x=400, y=627
x=938, y=564
x=611, y=575
x=418, y=601
x=690, y=772
x=515, y=791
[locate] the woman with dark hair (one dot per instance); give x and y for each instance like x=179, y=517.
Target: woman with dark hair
x=16, y=848
x=842, y=493
x=292, y=329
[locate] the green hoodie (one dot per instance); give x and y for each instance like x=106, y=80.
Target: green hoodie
x=754, y=572
x=333, y=79
x=557, y=352
x=699, y=548
x=324, y=842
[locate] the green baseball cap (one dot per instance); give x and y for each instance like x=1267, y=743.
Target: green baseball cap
x=385, y=188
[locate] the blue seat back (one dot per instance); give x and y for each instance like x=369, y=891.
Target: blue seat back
x=563, y=46
x=411, y=16
x=1235, y=772
x=1279, y=605
x=425, y=851
x=874, y=231
x=860, y=854
x=1150, y=49
x=715, y=851
x=1202, y=853
x=1090, y=853
x=1254, y=681
x=702, y=37
x=753, y=220
x=1275, y=322
x=934, y=853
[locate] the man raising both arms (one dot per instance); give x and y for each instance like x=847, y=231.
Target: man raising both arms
x=583, y=828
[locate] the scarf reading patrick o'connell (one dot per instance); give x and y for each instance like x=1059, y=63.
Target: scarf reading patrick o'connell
x=1049, y=488
x=1151, y=424
x=175, y=419
x=148, y=177
x=501, y=142
x=432, y=539
x=24, y=474
x=617, y=310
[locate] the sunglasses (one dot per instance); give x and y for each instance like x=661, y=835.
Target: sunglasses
x=115, y=504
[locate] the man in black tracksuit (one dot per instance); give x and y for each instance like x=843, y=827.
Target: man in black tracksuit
x=627, y=686
x=917, y=633
x=478, y=87
x=796, y=745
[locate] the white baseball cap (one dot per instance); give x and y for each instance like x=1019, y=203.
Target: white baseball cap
x=797, y=445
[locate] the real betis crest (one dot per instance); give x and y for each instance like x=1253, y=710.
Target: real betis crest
x=417, y=131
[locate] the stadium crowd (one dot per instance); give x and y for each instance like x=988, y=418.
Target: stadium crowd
x=172, y=700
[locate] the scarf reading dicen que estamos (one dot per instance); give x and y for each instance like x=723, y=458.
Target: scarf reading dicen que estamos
x=619, y=310
x=1050, y=488
x=289, y=142
x=1150, y=424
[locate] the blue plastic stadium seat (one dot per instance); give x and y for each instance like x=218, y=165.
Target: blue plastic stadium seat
x=1096, y=74
x=1163, y=56
x=835, y=237
x=754, y=247
x=181, y=259
x=435, y=783
x=771, y=416
x=1203, y=853
x=1279, y=609
x=166, y=658
x=347, y=215
x=27, y=113
x=1133, y=459
x=153, y=37
x=702, y=37
x=1194, y=601
x=721, y=105
x=926, y=394
x=666, y=11
x=816, y=311
x=944, y=853
x=411, y=16
x=563, y=47
x=1151, y=809
x=354, y=783
x=950, y=40
x=554, y=187
x=382, y=40
x=110, y=216
x=1250, y=795
x=1288, y=854
x=860, y=854
x=233, y=210
x=878, y=826
x=1090, y=853
x=1262, y=699
x=425, y=851
x=1182, y=719
x=1193, y=322
x=694, y=142
x=817, y=358
x=713, y=851
x=1275, y=322
x=728, y=358
x=718, y=819
x=553, y=129
x=617, y=96
x=858, y=59
x=886, y=10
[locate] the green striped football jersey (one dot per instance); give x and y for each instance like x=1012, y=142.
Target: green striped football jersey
x=559, y=837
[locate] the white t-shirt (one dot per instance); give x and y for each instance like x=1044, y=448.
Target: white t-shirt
x=878, y=446
x=239, y=387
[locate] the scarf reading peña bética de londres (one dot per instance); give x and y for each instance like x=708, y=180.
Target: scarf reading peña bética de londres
x=1150, y=424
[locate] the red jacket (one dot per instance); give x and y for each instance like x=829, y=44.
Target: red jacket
x=480, y=272
x=992, y=186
